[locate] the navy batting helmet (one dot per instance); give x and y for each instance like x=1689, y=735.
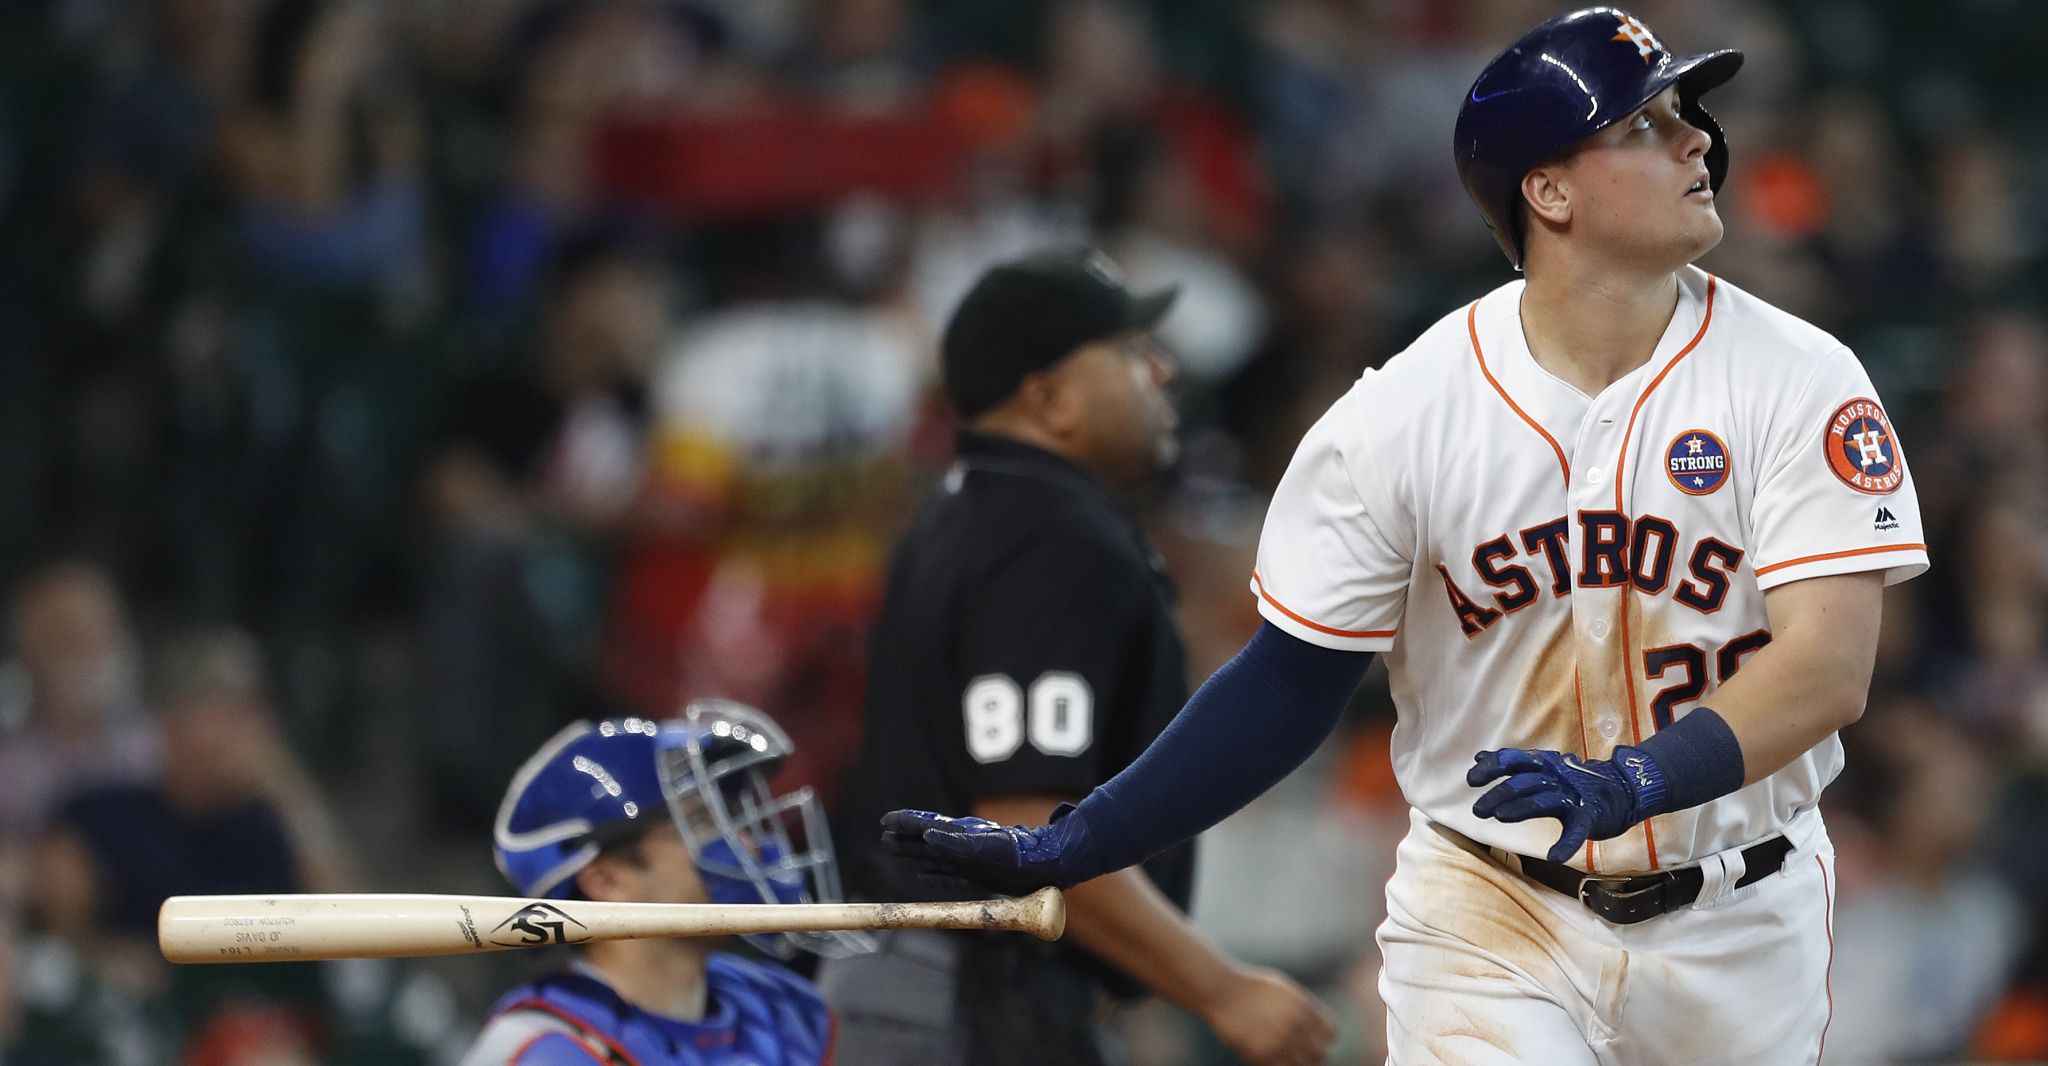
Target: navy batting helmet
x=1564, y=81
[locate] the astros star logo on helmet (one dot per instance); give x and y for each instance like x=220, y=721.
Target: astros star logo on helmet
x=1635, y=33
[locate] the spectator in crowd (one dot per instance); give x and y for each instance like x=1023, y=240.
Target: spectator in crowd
x=326, y=205
x=76, y=717
x=230, y=810
x=572, y=67
x=781, y=426
x=539, y=476
x=324, y=147
x=1925, y=935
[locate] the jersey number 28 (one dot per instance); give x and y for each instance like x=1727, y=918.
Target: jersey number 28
x=1692, y=660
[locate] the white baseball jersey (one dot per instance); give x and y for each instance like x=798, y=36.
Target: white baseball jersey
x=1550, y=570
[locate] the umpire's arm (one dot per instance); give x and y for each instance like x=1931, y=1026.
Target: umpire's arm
x=1123, y=919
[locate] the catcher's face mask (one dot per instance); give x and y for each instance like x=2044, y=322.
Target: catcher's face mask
x=749, y=844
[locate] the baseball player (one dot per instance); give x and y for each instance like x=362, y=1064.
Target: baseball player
x=665, y=812
x=1621, y=530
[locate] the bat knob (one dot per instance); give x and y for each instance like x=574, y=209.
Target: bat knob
x=1045, y=913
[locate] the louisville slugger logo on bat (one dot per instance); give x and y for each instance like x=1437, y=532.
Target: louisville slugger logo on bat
x=539, y=923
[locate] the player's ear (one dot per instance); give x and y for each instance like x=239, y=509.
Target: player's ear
x=1547, y=195
x=606, y=878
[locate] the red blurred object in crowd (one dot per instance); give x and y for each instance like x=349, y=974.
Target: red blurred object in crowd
x=249, y=1035
x=1786, y=196
x=772, y=161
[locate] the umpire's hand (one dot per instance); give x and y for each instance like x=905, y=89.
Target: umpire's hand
x=1268, y=1020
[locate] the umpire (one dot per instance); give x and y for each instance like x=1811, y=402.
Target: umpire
x=1027, y=651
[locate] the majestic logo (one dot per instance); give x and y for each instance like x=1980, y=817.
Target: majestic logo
x=1885, y=519
x=1696, y=462
x=539, y=923
x=1862, y=450
x=1635, y=33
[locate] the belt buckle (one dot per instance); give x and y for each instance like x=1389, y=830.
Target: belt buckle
x=1612, y=899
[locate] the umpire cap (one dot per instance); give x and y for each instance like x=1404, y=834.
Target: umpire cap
x=1027, y=314
x=1564, y=81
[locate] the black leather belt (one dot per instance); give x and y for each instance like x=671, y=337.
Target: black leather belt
x=1628, y=900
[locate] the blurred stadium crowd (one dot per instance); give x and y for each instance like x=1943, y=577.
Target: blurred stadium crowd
x=383, y=384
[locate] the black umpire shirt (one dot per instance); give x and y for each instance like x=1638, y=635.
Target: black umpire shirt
x=1027, y=646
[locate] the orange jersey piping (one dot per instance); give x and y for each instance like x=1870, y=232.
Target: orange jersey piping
x=1628, y=673
x=1828, y=977
x=1317, y=626
x=1621, y=464
x=1762, y=570
x=1564, y=466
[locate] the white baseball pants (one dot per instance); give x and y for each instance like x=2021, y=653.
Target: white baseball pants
x=1483, y=966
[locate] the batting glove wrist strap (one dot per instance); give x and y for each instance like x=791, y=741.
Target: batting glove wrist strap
x=1698, y=759
x=1650, y=791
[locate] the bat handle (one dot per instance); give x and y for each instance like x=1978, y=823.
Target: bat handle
x=1043, y=914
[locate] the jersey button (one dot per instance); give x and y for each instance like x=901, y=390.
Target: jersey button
x=1610, y=728
x=1598, y=629
x=1595, y=475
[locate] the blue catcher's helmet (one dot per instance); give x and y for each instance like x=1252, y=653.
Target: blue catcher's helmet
x=704, y=774
x=1564, y=81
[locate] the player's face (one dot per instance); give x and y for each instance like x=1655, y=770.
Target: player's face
x=663, y=873
x=1639, y=189
x=1129, y=420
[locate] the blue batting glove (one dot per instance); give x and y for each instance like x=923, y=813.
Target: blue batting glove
x=961, y=853
x=1596, y=800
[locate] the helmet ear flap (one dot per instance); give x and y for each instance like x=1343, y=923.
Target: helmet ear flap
x=1717, y=153
x=1516, y=217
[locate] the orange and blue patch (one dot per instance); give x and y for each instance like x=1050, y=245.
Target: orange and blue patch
x=1862, y=449
x=1697, y=462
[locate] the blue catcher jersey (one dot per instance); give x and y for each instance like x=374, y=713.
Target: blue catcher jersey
x=756, y=1015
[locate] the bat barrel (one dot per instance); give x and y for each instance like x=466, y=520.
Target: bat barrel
x=296, y=928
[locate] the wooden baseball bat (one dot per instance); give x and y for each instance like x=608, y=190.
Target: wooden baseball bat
x=304, y=928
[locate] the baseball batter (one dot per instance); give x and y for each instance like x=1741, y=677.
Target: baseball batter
x=1621, y=530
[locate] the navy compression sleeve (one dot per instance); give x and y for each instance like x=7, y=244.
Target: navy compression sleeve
x=1256, y=719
